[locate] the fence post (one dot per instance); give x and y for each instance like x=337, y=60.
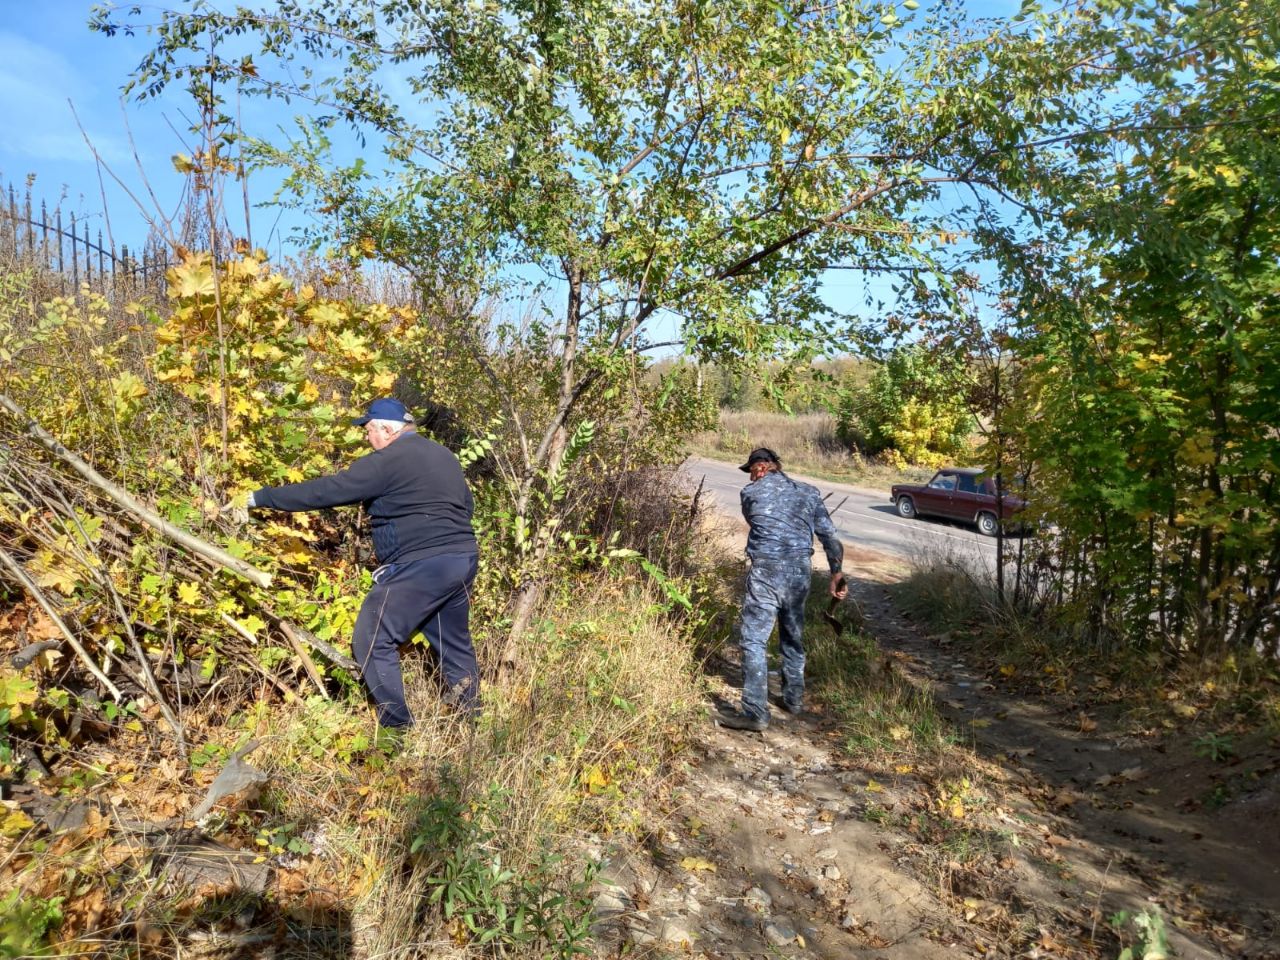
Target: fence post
x=62, y=273
x=31, y=230
x=44, y=234
x=75, y=259
x=102, y=267
x=13, y=218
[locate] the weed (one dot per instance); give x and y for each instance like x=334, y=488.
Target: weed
x=1142, y=933
x=1218, y=797
x=1216, y=747
x=25, y=924
x=880, y=709
x=484, y=901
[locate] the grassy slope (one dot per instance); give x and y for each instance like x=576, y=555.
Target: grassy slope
x=807, y=443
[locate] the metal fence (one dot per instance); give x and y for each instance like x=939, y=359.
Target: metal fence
x=68, y=249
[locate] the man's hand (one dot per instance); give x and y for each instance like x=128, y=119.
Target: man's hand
x=236, y=510
x=839, y=586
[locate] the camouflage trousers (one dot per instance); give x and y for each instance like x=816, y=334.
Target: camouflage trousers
x=776, y=590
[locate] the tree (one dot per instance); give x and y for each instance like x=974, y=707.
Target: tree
x=914, y=404
x=693, y=163
x=1146, y=320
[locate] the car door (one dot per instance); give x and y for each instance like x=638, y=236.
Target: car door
x=935, y=498
x=968, y=498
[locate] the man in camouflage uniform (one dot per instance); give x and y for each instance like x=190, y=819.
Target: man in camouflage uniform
x=784, y=515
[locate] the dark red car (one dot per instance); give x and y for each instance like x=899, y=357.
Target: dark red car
x=957, y=493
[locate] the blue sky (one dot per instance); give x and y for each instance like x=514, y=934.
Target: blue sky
x=50, y=62
x=53, y=69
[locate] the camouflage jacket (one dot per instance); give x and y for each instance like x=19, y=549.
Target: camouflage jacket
x=784, y=515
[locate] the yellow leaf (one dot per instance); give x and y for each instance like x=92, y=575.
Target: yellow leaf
x=190, y=280
x=309, y=392
x=904, y=768
x=383, y=382
x=694, y=864
x=594, y=779
x=899, y=732
x=1008, y=670
x=873, y=787
x=128, y=387
x=15, y=823
x=245, y=267
x=182, y=163
x=189, y=593
x=326, y=314
x=15, y=690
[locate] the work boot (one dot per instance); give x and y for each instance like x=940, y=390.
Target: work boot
x=793, y=707
x=737, y=720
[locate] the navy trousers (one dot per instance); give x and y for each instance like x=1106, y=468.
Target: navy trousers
x=776, y=591
x=431, y=595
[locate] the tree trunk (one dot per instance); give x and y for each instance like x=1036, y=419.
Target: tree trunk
x=545, y=462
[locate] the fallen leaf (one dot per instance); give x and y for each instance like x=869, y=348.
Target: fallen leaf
x=14, y=823
x=694, y=864
x=873, y=787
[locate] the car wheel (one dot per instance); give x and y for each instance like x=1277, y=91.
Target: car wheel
x=906, y=507
x=987, y=525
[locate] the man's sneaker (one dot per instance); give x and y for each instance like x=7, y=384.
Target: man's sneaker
x=736, y=720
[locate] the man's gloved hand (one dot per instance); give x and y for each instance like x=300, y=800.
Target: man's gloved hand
x=237, y=509
x=839, y=586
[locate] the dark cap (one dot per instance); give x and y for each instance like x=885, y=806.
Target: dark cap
x=384, y=409
x=757, y=455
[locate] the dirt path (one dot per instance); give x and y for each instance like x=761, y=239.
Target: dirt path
x=767, y=854
x=1024, y=840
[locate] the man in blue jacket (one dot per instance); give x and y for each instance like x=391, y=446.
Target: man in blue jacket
x=784, y=516
x=419, y=510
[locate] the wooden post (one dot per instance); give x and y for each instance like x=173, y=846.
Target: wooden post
x=44, y=233
x=102, y=266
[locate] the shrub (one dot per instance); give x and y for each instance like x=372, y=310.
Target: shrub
x=911, y=405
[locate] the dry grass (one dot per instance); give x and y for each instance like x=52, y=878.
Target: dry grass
x=808, y=444
x=569, y=745
x=570, y=748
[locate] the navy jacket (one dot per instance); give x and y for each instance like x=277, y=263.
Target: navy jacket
x=784, y=515
x=413, y=490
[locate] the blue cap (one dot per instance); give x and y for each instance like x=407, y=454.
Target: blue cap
x=384, y=409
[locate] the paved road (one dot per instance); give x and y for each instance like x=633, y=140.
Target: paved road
x=865, y=518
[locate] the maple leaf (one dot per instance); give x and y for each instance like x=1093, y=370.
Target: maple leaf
x=191, y=280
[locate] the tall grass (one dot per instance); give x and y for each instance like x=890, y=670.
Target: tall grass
x=881, y=711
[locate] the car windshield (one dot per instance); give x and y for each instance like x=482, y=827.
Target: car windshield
x=943, y=481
